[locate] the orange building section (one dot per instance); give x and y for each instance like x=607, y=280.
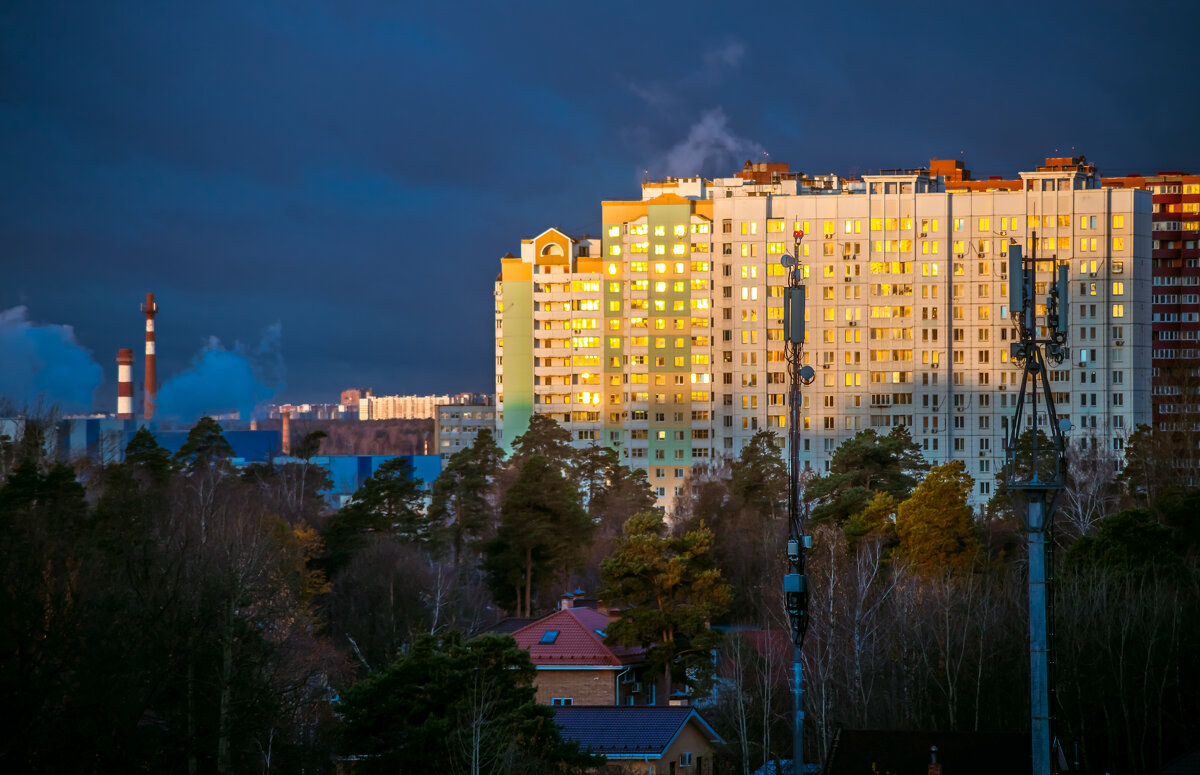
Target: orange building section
x=626, y=211
x=515, y=270
x=950, y=169
x=552, y=247
x=766, y=172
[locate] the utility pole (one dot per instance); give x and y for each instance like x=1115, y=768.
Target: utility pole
x=795, y=583
x=1036, y=476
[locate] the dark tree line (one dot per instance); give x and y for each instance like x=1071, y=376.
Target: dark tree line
x=158, y=614
x=175, y=613
x=919, y=607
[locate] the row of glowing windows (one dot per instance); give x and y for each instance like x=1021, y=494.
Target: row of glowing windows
x=679, y=230
x=854, y=226
x=644, y=247
x=658, y=305
x=928, y=269
x=660, y=287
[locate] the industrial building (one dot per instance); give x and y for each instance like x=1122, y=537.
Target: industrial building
x=664, y=334
x=103, y=440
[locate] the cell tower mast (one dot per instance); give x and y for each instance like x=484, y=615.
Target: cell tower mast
x=1036, y=476
x=795, y=583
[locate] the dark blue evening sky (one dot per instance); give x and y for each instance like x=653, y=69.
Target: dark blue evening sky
x=353, y=171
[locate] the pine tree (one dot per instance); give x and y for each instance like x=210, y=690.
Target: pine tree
x=669, y=590
x=543, y=530
x=934, y=526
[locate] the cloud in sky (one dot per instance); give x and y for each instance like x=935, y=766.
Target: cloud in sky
x=355, y=171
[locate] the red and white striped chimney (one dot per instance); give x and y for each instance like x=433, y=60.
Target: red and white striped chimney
x=151, y=389
x=124, y=384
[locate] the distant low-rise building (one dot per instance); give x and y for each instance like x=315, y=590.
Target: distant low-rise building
x=314, y=411
x=457, y=425
x=372, y=407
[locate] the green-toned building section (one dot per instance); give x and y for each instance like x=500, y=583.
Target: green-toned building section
x=613, y=306
x=517, y=327
x=670, y=352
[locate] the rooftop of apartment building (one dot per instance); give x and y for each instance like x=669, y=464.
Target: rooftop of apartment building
x=942, y=175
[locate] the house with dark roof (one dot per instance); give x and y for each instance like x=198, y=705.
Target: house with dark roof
x=654, y=740
x=575, y=667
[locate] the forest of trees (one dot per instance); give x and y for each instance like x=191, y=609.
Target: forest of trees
x=177, y=613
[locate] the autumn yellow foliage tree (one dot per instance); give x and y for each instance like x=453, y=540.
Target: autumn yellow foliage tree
x=934, y=525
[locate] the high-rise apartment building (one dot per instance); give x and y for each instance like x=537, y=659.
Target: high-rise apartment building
x=664, y=334
x=1175, y=247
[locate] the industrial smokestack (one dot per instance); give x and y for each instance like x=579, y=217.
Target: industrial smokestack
x=151, y=389
x=286, y=444
x=124, y=384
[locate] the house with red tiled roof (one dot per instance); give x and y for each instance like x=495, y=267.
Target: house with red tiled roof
x=575, y=667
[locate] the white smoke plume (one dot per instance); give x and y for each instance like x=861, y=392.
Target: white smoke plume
x=710, y=145
x=222, y=380
x=44, y=362
x=727, y=56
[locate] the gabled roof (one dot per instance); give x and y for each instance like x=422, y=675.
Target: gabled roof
x=510, y=624
x=629, y=731
x=580, y=641
x=555, y=230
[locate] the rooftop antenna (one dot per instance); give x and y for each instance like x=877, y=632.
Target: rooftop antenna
x=1037, y=475
x=795, y=582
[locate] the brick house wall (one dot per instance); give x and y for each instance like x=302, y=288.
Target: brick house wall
x=583, y=687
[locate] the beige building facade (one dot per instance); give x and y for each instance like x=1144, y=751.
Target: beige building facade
x=664, y=335
x=456, y=426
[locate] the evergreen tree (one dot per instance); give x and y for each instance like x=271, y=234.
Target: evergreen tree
x=387, y=504
x=456, y=706
x=547, y=439
x=759, y=476
x=862, y=465
x=669, y=590
x=1150, y=466
x=934, y=525
x=543, y=530
x=205, y=444
x=461, y=504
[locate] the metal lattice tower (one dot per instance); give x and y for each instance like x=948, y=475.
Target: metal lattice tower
x=1034, y=475
x=795, y=583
